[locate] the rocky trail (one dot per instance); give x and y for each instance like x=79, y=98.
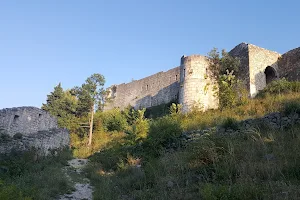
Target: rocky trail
x=74, y=171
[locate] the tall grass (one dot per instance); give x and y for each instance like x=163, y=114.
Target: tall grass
x=26, y=176
x=255, y=108
x=258, y=164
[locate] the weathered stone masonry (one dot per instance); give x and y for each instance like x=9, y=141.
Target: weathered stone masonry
x=157, y=89
x=30, y=127
x=26, y=120
x=190, y=85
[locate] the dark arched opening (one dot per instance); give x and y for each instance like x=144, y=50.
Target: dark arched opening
x=270, y=74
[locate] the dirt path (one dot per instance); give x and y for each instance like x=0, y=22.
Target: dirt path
x=83, y=190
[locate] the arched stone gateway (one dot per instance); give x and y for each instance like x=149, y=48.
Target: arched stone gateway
x=271, y=74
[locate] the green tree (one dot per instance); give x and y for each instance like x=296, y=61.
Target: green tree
x=90, y=96
x=54, y=100
x=139, y=126
x=62, y=105
x=113, y=120
x=223, y=70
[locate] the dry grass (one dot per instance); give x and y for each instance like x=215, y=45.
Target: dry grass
x=257, y=164
x=253, y=109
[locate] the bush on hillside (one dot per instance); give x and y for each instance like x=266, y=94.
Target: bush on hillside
x=291, y=107
x=280, y=86
x=28, y=176
x=159, y=111
x=230, y=123
x=113, y=120
x=139, y=128
x=163, y=133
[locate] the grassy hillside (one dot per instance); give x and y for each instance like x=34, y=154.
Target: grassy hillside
x=26, y=176
x=133, y=157
x=259, y=163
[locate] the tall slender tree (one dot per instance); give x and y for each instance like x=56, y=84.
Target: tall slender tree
x=90, y=96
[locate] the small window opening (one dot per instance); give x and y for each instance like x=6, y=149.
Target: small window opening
x=16, y=117
x=183, y=72
x=147, y=87
x=176, y=77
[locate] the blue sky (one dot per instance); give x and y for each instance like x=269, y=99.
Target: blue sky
x=46, y=42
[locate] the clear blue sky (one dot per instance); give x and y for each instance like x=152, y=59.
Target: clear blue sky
x=46, y=42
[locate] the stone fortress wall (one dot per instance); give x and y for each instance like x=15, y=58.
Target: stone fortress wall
x=153, y=90
x=26, y=120
x=24, y=128
x=289, y=65
x=258, y=67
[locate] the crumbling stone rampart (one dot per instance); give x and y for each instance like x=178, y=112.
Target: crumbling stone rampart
x=26, y=120
x=24, y=128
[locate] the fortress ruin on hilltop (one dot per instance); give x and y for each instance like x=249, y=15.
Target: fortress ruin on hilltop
x=189, y=84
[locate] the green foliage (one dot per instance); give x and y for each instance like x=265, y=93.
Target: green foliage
x=255, y=164
x=281, y=86
x=221, y=64
x=139, y=128
x=227, y=93
x=113, y=120
x=28, y=176
x=130, y=114
x=230, y=123
x=223, y=70
x=175, y=109
x=90, y=94
x=163, y=133
x=62, y=105
x=291, y=107
x=251, y=165
x=159, y=111
x=11, y=192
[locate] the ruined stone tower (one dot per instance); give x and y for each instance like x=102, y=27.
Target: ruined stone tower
x=190, y=85
x=196, y=88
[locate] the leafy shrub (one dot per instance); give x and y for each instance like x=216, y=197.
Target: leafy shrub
x=175, y=109
x=113, y=120
x=291, y=107
x=164, y=133
x=230, y=123
x=139, y=127
x=159, y=111
x=280, y=86
x=29, y=175
x=11, y=192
